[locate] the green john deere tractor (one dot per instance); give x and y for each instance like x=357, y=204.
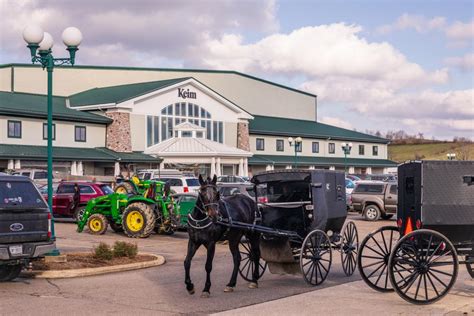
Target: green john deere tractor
x=133, y=186
x=136, y=215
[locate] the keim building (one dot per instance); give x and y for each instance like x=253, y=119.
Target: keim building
x=111, y=119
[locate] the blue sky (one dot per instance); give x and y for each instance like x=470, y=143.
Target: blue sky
x=375, y=65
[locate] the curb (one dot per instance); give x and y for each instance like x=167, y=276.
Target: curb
x=74, y=273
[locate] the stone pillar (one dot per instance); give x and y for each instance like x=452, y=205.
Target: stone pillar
x=213, y=167
x=11, y=164
x=118, y=132
x=243, y=138
x=162, y=165
x=218, y=166
x=246, y=167
x=241, y=167
x=351, y=170
x=385, y=170
x=289, y=167
x=332, y=168
x=17, y=164
x=73, y=168
x=268, y=168
x=368, y=170
x=80, y=169
x=311, y=167
x=117, y=168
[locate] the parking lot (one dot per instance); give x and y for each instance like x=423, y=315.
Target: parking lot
x=160, y=289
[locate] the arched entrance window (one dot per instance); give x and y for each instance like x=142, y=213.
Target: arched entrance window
x=160, y=128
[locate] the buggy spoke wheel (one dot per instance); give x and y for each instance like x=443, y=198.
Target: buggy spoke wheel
x=349, y=248
x=423, y=266
x=246, y=264
x=316, y=257
x=469, y=266
x=372, y=259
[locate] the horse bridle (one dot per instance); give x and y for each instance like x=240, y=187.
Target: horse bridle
x=198, y=223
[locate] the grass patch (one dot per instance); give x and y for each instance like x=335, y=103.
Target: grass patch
x=435, y=151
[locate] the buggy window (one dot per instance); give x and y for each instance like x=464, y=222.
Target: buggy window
x=369, y=188
x=287, y=191
x=19, y=194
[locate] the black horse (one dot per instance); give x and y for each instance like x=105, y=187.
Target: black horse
x=204, y=229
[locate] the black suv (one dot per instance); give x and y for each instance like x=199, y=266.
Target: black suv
x=25, y=225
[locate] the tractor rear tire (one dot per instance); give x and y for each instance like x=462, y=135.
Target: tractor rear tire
x=97, y=224
x=138, y=220
x=125, y=188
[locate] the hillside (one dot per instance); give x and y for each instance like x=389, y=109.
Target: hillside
x=434, y=151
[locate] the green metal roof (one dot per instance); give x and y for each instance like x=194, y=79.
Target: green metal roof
x=35, y=105
x=116, y=94
x=31, y=152
x=170, y=70
x=266, y=125
x=319, y=161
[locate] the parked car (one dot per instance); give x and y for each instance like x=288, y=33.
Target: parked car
x=25, y=225
x=353, y=177
x=229, y=189
x=147, y=174
x=350, y=185
x=381, y=177
x=63, y=197
x=375, y=199
x=37, y=175
x=231, y=179
x=181, y=184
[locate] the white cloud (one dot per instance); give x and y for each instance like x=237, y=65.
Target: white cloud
x=460, y=31
x=335, y=121
x=417, y=22
x=465, y=63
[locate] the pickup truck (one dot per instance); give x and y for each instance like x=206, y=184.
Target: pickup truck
x=375, y=199
x=25, y=225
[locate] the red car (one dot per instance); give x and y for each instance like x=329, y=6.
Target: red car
x=63, y=197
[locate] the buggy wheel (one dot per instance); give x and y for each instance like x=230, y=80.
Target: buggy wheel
x=97, y=224
x=247, y=266
x=423, y=266
x=138, y=220
x=349, y=248
x=372, y=260
x=469, y=265
x=316, y=257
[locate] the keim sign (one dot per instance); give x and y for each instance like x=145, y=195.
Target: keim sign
x=185, y=94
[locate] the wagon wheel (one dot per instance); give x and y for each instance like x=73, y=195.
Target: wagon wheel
x=349, y=248
x=374, y=252
x=469, y=264
x=246, y=266
x=423, y=266
x=316, y=257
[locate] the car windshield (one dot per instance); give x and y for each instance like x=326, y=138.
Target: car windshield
x=349, y=184
x=193, y=182
x=106, y=189
x=16, y=194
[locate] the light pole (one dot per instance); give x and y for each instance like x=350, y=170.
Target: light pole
x=451, y=156
x=346, y=148
x=294, y=143
x=40, y=44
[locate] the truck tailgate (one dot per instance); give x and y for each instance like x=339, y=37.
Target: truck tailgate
x=23, y=226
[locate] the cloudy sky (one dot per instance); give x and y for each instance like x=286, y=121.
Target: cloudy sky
x=375, y=65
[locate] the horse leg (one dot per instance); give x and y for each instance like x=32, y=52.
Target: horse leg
x=211, y=249
x=192, y=248
x=234, y=240
x=255, y=257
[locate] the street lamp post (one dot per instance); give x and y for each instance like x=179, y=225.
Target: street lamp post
x=451, y=156
x=346, y=148
x=294, y=143
x=40, y=44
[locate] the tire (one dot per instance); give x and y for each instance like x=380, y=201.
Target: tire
x=423, y=266
x=124, y=188
x=372, y=260
x=316, y=257
x=97, y=224
x=79, y=212
x=469, y=267
x=138, y=220
x=117, y=228
x=349, y=247
x=386, y=216
x=371, y=212
x=246, y=266
x=9, y=272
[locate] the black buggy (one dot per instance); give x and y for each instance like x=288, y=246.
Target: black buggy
x=420, y=258
x=301, y=219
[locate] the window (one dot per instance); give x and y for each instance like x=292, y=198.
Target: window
x=45, y=131
x=361, y=150
x=40, y=175
x=80, y=133
x=280, y=145
x=260, y=144
x=315, y=147
x=298, y=146
x=193, y=182
x=106, y=189
x=14, y=129
x=172, y=182
x=65, y=188
x=332, y=148
x=86, y=189
x=149, y=130
x=375, y=150
x=369, y=188
x=393, y=190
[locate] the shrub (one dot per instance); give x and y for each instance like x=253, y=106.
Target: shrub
x=103, y=252
x=125, y=249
